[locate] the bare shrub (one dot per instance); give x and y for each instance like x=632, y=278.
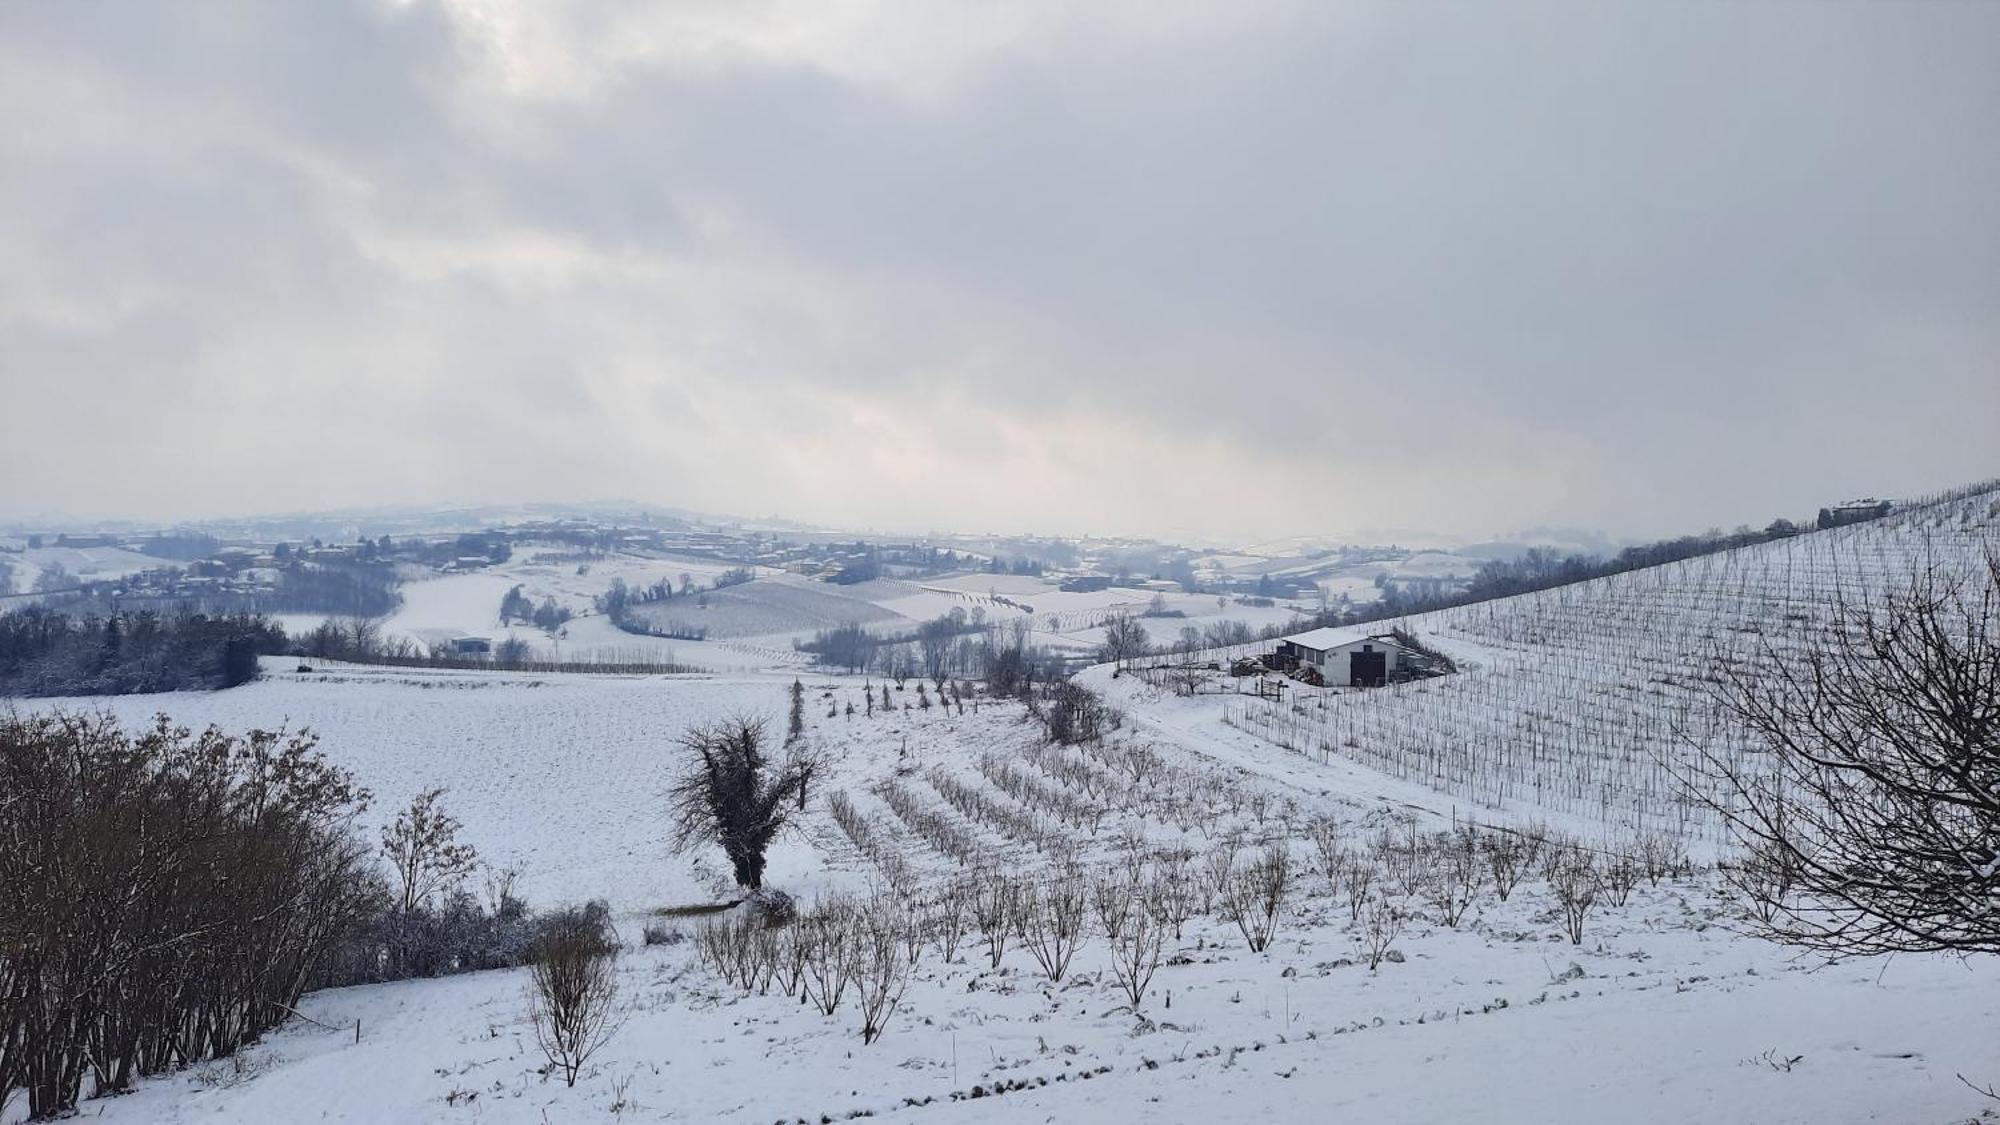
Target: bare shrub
x=1359, y=879
x=1113, y=896
x=1506, y=856
x=1661, y=854
x=826, y=936
x=1135, y=954
x=946, y=916
x=1453, y=883
x=422, y=848
x=1219, y=867
x=1328, y=842
x=1255, y=898
x=996, y=905
x=880, y=972
x=1051, y=922
x=1175, y=897
x=165, y=896
x=573, y=992
x=1617, y=877
x=1574, y=884
x=1381, y=924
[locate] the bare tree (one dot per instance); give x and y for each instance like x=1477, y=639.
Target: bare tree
x=1124, y=639
x=1874, y=818
x=729, y=792
x=573, y=992
x=422, y=847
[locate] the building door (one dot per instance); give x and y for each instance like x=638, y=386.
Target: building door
x=1368, y=668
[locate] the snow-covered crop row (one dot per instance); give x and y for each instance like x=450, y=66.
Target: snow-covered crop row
x=1587, y=700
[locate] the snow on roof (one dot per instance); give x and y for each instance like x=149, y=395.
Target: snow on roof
x=1331, y=637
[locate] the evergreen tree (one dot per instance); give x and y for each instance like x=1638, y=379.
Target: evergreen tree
x=795, y=729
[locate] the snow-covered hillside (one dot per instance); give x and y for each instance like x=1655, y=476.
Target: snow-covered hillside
x=1579, y=703
x=1655, y=1007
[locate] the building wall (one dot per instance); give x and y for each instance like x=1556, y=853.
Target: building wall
x=1336, y=664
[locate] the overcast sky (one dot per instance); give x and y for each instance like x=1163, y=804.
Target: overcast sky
x=1199, y=271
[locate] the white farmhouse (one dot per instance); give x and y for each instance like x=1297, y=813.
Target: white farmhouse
x=1350, y=657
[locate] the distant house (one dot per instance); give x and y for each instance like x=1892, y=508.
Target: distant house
x=1086, y=584
x=86, y=541
x=1349, y=658
x=1854, y=511
x=471, y=646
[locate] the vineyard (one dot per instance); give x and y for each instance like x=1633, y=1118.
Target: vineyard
x=1586, y=701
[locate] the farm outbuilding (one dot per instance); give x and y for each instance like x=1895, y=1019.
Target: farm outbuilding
x=1349, y=658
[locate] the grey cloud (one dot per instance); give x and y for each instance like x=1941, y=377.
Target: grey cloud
x=1629, y=264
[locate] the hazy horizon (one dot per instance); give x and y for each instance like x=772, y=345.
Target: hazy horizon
x=1197, y=273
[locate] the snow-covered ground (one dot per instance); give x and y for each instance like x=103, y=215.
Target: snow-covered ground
x=1666, y=1011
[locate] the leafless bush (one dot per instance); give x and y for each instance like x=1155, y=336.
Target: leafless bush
x=880, y=973
x=573, y=993
x=996, y=905
x=1381, y=924
x=1661, y=854
x=1135, y=954
x=731, y=948
x=422, y=848
x=1453, y=884
x=1254, y=898
x=1328, y=842
x=977, y=806
x=1574, y=884
x=165, y=896
x=1219, y=868
x=1359, y=879
x=1175, y=896
x=946, y=915
x=1051, y=922
x=1617, y=876
x=827, y=937
x=1114, y=895
x=1506, y=854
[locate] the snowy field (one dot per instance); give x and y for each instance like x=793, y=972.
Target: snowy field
x=756, y=626
x=1662, y=1013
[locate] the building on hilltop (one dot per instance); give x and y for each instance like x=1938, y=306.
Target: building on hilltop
x=1853, y=511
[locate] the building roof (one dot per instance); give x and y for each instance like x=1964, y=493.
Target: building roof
x=1331, y=637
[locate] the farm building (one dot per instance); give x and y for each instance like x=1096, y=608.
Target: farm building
x=1349, y=657
x=1854, y=511
x=471, y=646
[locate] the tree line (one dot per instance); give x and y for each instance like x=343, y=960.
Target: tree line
x=47, y=652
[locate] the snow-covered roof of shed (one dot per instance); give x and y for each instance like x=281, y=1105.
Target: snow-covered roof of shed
x=1331, y=637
